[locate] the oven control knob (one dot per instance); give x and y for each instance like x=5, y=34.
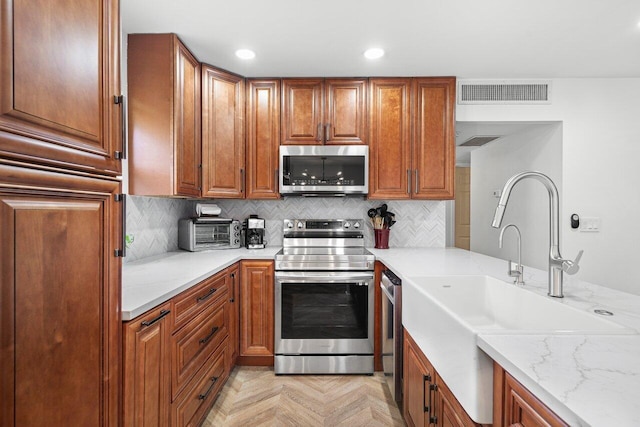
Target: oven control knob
x=347, y=224
x=356, y=225
x=300, y=224
x=289, y=225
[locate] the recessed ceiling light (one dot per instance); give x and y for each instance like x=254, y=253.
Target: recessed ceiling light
x=245, y=54
x=374, y=53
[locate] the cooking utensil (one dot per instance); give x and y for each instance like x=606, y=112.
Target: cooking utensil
x=371, y=213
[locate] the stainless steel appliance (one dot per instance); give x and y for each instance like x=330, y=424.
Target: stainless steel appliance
x=338, y=170
x=253, y=229
x=324, y=299
x=198, y=234
x=392, y=332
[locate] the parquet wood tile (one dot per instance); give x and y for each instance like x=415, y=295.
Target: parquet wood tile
x=255, y=396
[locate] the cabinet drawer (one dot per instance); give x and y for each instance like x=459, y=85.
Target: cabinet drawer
x=191, y=302
x=194, y=343
x=200, y=394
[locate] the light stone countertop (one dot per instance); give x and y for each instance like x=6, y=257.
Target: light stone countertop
x=589, y=380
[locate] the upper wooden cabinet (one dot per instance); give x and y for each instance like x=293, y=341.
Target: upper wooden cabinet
x=412, y=138
x=164, y=117
x=59, y=84
x=324, y=111
x=223, y=173
x=59, y=299
x=263, y=138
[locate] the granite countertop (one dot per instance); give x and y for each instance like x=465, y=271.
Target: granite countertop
x=586, y=379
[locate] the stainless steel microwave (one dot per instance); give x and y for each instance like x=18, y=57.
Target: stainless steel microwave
x=198, y=234
x=324, y=170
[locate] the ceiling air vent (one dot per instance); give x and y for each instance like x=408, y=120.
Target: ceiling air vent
x=504, y=92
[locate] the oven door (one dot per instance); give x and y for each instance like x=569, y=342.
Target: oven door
x=324, y=313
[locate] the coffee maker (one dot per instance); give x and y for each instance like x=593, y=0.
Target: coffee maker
x=253, y=228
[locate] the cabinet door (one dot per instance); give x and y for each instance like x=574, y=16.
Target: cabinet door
x=59, y=77
x=345, y=118
x=222, y=134
x=389, y=138
x=164, y=117
x=256, y=313
x=59, y=299
x=448, y=411
x=433, y=138
x=302, y=121
x=146, y=377
x=234, y=313
x=263, y=138
x=417, y=378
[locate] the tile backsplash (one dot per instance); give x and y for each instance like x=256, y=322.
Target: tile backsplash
x=153, y=222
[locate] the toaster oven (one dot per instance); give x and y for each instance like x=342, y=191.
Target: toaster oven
x=198, y=234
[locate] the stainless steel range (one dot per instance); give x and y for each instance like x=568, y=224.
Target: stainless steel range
x=324, y=298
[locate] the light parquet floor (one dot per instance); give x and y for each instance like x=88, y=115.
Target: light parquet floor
x=255, y=396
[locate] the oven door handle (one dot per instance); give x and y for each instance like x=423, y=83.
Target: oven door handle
x=324, y=277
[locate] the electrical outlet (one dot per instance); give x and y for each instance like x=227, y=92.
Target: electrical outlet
x=590, y=224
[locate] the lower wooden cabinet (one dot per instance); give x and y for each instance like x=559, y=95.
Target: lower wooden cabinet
x=177, y=356
x=256, y=313
x=427, y=401
x=234, y=314
x=514, y=405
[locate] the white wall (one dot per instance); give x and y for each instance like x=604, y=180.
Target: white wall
x=538, y=148
x=600, y=151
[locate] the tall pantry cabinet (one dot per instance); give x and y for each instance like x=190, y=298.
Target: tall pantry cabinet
x=60, y=213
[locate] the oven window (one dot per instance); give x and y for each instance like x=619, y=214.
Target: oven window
x=213, y=234
x=324, y=311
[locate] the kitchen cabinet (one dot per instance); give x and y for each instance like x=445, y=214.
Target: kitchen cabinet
x=412, y=138
x=60, y=335
x=427, y=401
x=60, y=101
x=263, y=138
x=234, y=313
x=147, y=368
x=514, y=405
x=223, y=171
x=324, y=111
x=256, y=313
x=164, y=117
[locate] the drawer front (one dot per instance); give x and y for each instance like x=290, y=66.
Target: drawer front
x=201, y=392
x=194, y=343
x=191, y=302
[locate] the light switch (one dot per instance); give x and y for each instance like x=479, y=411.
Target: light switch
x=590, y=224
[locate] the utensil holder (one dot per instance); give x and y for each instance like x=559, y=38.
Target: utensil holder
x=381, y=238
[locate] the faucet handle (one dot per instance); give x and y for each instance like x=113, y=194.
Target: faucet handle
x=572, y=267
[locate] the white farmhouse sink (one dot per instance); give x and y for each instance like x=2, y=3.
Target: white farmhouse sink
x=445, y=314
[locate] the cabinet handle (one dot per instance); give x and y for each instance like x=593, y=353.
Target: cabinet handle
x=119, y=100
x=122, y=251
x=417, y=183
x=408, y=181
x=319, y=131
x=207, y=295
x=277, y=187
x=242, y=180
x=327, y=134
x=426, y=378
x=432, y=419
x=162, y=314
x=233, y=287
x=208, y=337
x=203, y=396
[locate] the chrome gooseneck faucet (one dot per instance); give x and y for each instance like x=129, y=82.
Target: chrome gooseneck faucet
x=557, y=265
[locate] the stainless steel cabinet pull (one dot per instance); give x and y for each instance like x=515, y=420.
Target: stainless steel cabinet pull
x=207, y=295
x=233, y=287
x=319, y=137
x=208, y=337
x=417, y=183
x=206, y=393
x=408, y=181
x=162, y=314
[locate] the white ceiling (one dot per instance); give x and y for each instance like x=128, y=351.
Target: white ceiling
x=463, y=38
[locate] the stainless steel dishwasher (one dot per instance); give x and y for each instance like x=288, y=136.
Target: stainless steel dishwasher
x=391, y=286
